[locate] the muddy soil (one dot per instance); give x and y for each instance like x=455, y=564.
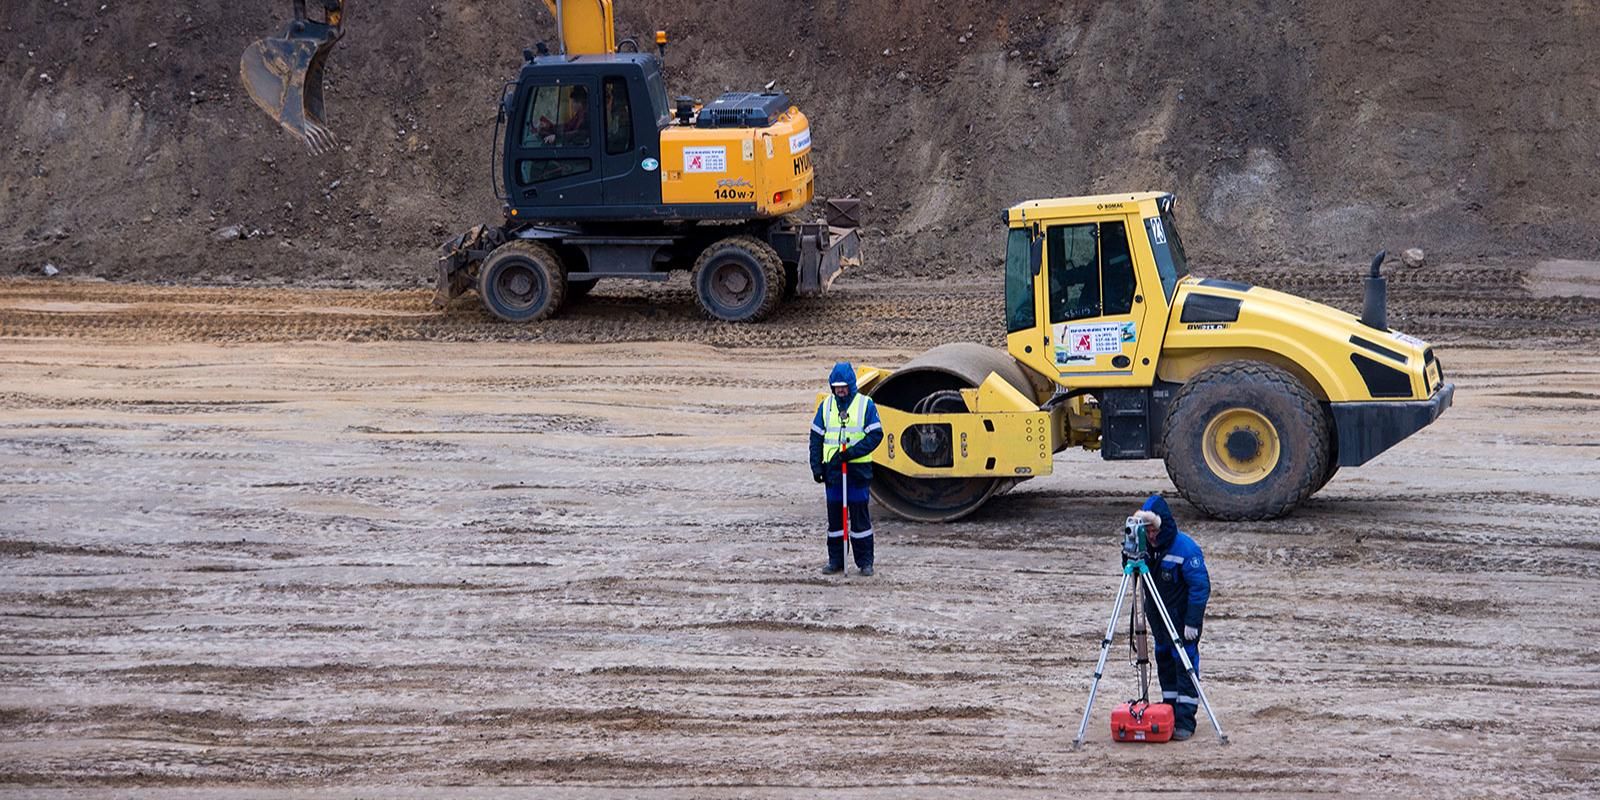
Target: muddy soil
x=248, y=546
x=1493, y=304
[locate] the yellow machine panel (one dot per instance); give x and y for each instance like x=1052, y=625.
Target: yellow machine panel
x=586, y=26
x=768, y=168
x=1308, y=339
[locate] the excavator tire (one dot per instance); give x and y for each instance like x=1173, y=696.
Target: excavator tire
x=577, y=290
x=522, y=281
x=935, y=378
x=1246, y=441
x=738, y=279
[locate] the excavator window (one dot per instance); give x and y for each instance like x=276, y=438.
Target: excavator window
x=555, y=124
x=1091, y=271
x=558, y=116
x=658, y=97
x=619, y=117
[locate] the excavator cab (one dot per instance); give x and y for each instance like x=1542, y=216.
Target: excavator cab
x=583, y=137
x=283, y=73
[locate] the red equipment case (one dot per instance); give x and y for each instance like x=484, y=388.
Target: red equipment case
x=1140, y=721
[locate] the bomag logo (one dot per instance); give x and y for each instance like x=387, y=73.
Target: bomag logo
x=802, y=164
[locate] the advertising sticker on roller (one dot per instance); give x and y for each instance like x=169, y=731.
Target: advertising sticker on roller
x=1095, y=339
x=705, y=159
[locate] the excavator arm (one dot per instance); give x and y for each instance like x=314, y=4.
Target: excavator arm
x=587, y=26
x=283, y=73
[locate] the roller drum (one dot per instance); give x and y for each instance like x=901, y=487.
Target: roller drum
x=933, y=381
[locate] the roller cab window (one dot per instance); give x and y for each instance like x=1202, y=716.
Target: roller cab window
x=1091, y=271
x=1020, y=314
x=1171, y=262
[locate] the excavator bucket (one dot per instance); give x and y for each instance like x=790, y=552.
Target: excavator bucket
x=283, y=74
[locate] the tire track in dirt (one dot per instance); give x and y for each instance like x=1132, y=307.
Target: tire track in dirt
x=1490, y=304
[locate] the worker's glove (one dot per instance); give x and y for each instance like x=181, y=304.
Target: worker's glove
x=1190, y=633
x=836, y=460
x=817, y=476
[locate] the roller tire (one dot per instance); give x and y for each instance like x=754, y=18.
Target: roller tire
x=750, y=259
x=516, y=264
x=1333, y=451
x=1301, y=429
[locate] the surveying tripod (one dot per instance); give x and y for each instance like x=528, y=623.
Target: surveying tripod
x=1136, y=575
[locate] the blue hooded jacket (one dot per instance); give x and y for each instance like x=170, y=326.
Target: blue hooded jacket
x=843, y=372
x=1179, y=569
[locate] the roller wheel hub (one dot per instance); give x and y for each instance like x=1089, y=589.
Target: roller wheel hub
x=1241, y=446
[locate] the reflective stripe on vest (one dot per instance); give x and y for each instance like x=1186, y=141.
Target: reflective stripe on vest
x=843, y=433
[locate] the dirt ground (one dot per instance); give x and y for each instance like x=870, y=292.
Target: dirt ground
x=247, y=543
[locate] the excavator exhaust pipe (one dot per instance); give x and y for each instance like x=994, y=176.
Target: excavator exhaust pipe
x=283, y=74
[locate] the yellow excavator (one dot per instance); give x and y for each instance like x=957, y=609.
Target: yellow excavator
x=600, y=176
x=1254, y=398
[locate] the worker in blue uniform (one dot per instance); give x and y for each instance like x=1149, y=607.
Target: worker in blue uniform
x=844, y=433
x=1184, y=586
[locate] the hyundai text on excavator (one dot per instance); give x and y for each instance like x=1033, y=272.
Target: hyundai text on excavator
x=601, y=177
x=1253, y=397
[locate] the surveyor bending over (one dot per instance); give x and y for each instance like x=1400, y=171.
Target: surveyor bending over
x=1179, y=569
x=844, y=433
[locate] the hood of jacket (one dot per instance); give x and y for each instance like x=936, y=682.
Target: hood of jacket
x=846, y=374
x=1169, y=526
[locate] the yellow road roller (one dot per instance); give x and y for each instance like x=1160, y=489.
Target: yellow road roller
x=1254, y=398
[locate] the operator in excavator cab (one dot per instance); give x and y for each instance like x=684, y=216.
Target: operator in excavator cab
x=1179, y=569
x=574, y=128
x=844, y=433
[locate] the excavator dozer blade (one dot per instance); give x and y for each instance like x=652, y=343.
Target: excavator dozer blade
x=283, y=74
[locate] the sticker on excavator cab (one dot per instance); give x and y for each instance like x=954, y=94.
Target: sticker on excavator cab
x=1156, y=231
x=800, y=141
x=705, y=159
x=1066, y=359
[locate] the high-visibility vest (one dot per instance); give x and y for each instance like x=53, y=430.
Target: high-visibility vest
x=843, y=432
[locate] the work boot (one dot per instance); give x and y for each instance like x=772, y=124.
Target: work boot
x=1180, y=734
x=835, y=556
x=863, y=553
